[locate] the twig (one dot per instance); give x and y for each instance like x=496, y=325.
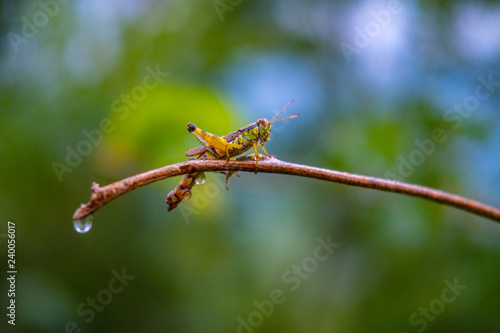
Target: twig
x=102, y=195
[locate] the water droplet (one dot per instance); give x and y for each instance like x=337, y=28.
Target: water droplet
x=84, y=225
x=186, y=195
x=200, y=180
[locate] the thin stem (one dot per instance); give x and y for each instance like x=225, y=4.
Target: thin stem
x=102, y=195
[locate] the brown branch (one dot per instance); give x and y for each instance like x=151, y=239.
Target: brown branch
x=103, y=195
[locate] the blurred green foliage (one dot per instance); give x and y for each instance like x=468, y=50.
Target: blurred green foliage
x=204, y=266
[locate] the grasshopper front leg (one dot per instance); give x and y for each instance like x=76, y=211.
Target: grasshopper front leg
x=256, y=152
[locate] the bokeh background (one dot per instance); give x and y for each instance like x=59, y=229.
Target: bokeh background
x=369, y=78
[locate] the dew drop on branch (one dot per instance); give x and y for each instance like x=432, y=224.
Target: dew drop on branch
x=84, y=225
x=200, y=180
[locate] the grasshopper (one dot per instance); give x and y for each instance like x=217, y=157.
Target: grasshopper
x=226, y=147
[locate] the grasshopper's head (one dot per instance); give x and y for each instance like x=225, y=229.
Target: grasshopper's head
x=265, y=125
x=264, y=129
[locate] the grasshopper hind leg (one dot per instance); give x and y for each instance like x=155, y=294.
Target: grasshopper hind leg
x=218, y=145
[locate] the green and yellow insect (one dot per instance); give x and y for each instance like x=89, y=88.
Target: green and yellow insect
x=226, y=147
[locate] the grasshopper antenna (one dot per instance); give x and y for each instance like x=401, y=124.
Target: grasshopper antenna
x=281, y=111
x=292, y=116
